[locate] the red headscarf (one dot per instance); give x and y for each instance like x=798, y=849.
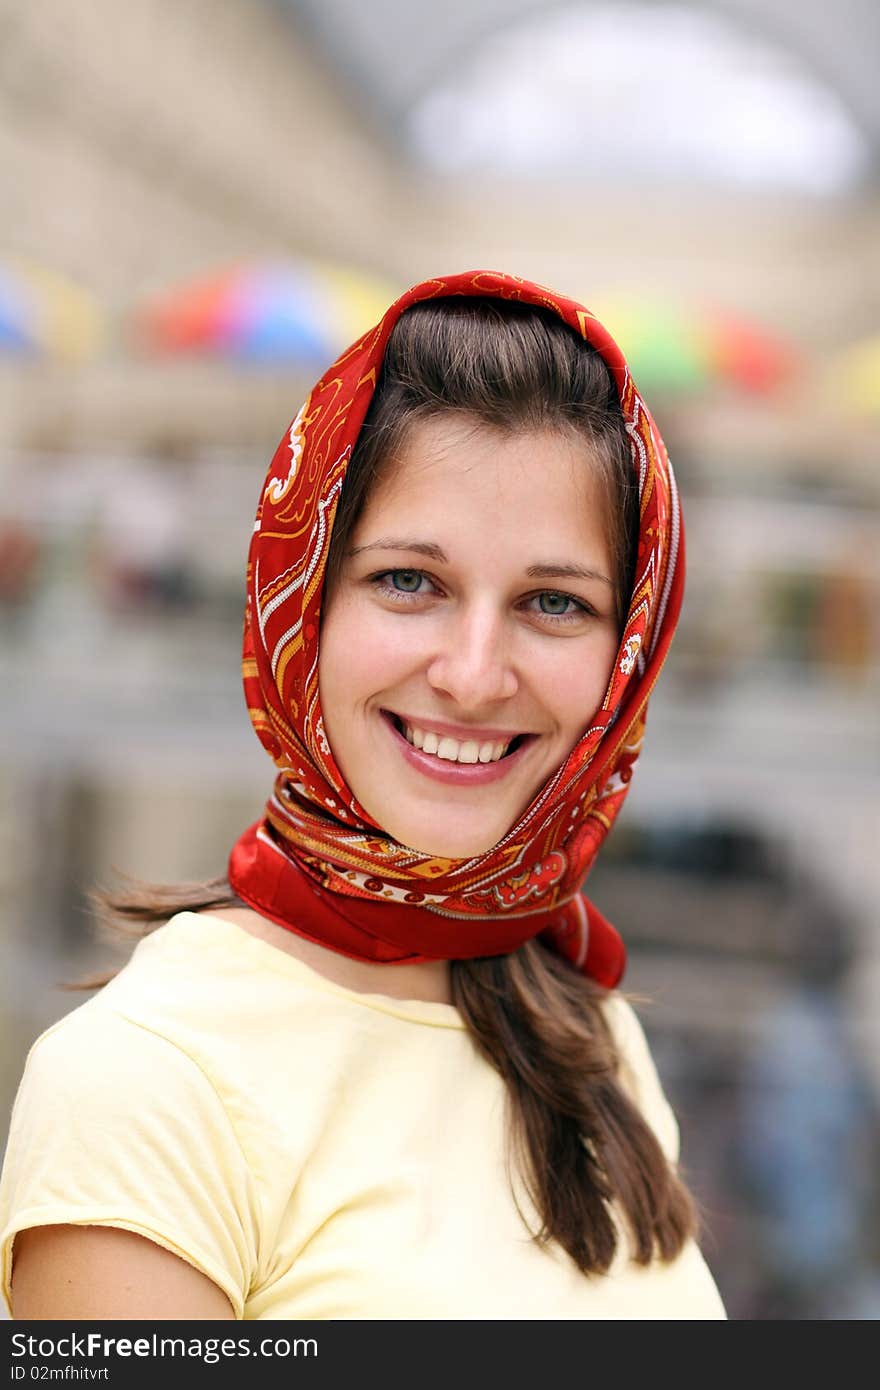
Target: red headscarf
x=317, y=863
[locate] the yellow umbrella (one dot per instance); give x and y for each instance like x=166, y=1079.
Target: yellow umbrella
x=44, y=314
x=855, y=376
x=360, y=299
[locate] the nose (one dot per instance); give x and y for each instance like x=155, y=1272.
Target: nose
x=472, y=663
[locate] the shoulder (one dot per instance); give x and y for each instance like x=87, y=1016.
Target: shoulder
x=97, y=1081
x=203, y=994
x=637, y=1072
x=95, y=1050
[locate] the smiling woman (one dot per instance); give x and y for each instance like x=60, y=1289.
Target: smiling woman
x=451, y=693
x=410, y=1088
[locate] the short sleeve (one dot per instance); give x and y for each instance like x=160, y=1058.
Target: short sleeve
x=638, y=1074
x=114, y=1125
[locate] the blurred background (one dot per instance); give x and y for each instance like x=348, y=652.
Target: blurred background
x=203, y=201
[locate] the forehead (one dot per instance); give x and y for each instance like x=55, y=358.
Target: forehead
x=453, y=459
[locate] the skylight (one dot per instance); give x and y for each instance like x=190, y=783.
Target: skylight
x=627, y=91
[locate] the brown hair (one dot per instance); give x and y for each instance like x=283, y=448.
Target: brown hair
x=579, y=1142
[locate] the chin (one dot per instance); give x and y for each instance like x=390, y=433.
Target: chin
x=450, y=844
x=448, y=831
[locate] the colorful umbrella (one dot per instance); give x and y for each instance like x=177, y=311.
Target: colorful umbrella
x=43, y=314
x=294, y=311
x=684, y=349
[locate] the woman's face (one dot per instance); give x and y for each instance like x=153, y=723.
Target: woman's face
x=474, y=617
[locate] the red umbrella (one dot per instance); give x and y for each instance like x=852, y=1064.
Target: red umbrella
x=746, y=353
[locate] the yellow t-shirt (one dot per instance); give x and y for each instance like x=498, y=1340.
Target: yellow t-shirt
x=317, y=1152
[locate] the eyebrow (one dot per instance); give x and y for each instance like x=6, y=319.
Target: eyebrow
x=435, y=552
x=566, y=572
x=427, y=548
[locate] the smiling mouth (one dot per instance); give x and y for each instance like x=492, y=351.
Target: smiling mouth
x=452, y=750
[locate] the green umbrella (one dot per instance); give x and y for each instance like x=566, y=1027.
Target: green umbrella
x=664, y=349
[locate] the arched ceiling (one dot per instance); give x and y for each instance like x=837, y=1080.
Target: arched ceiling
x=391, y=50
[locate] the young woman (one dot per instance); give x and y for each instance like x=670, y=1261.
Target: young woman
x=382, y=1071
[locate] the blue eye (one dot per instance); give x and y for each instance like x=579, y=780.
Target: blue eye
x=405, y=581
x=402, y=585
x=553, y=604
x=555, y=608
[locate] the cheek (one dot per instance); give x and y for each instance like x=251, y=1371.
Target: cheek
x=331, y=659
x=577, y=679
x=361, y=654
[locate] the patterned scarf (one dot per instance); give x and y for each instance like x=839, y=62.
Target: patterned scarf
x=317, y=863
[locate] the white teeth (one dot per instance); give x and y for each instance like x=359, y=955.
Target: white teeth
x=453, y=751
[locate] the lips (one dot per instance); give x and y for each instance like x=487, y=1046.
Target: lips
x=455, y=750
x=450, y=758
